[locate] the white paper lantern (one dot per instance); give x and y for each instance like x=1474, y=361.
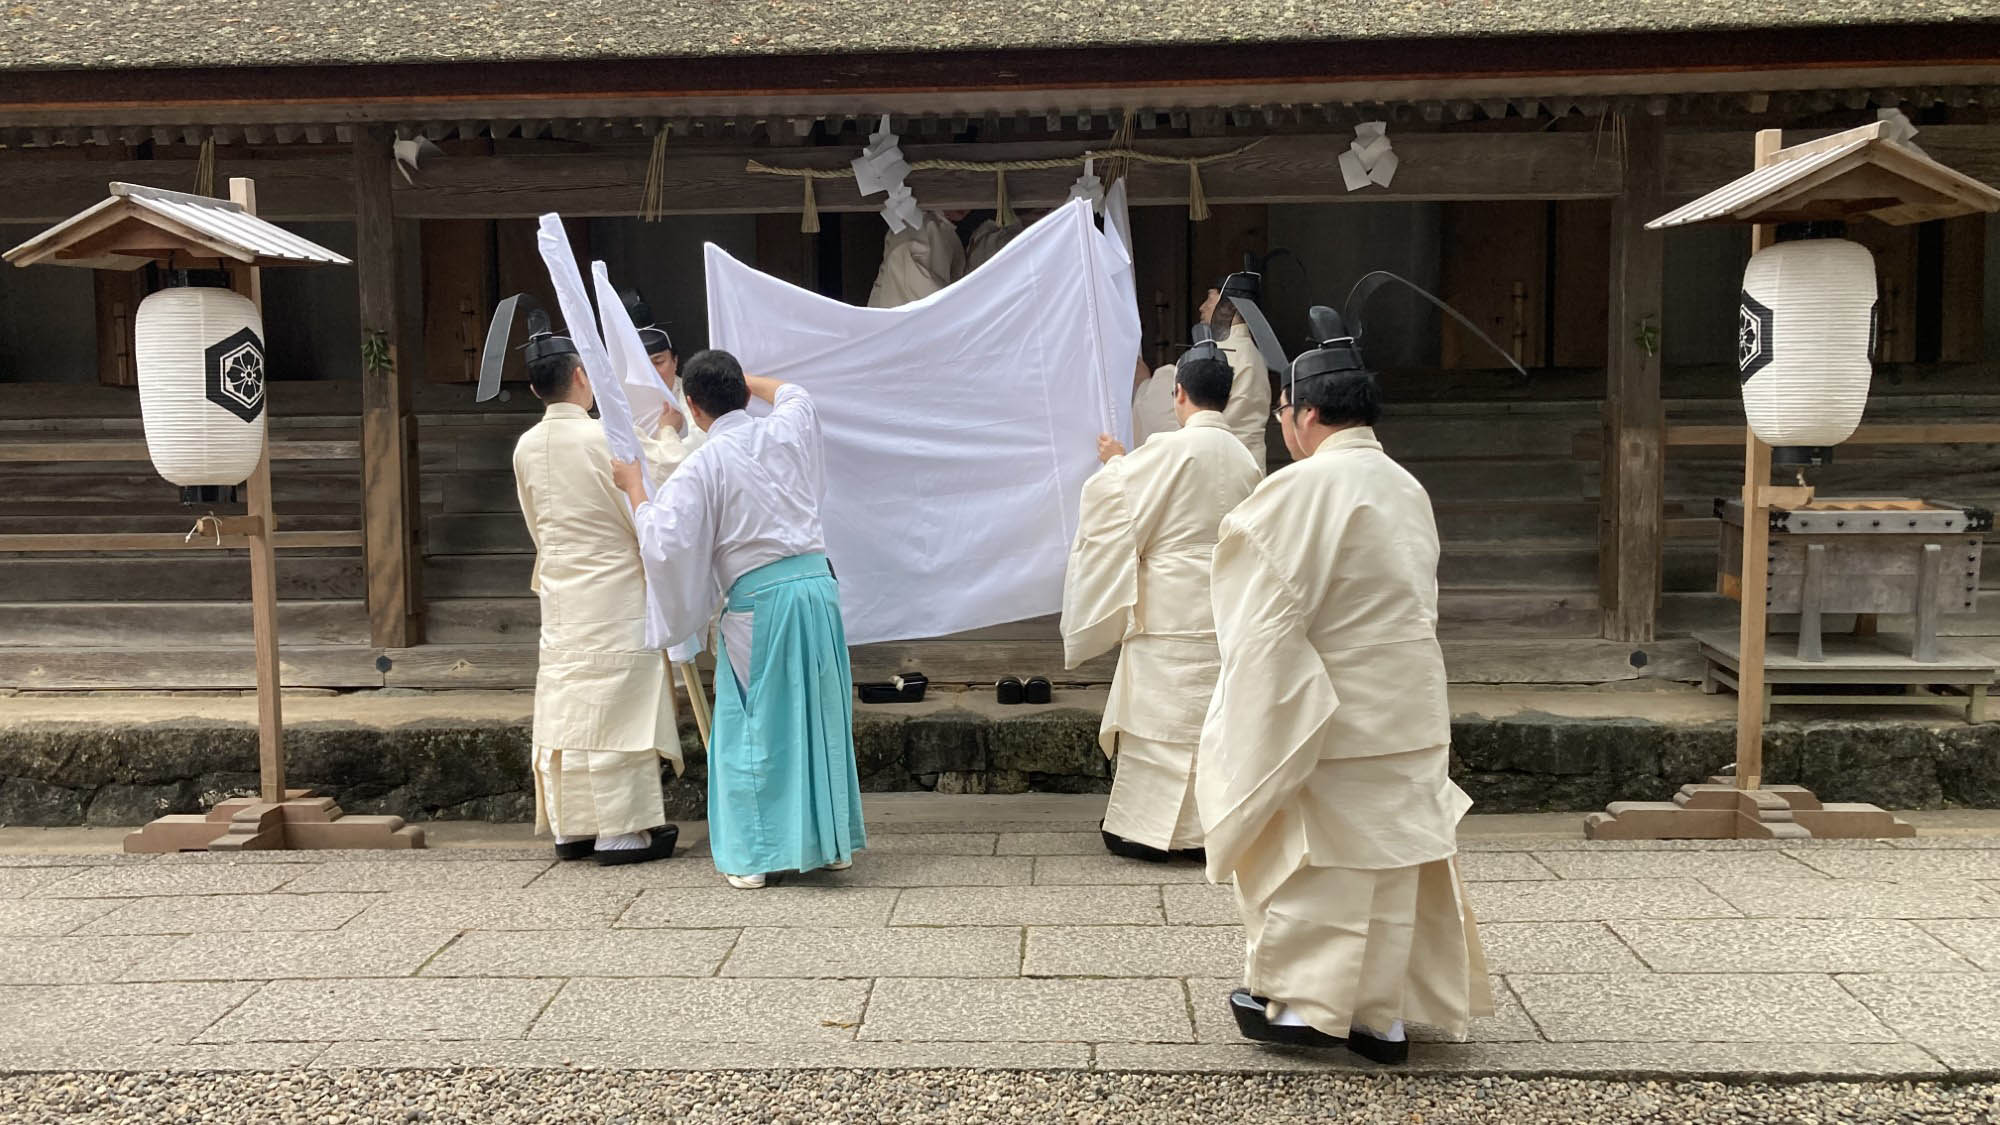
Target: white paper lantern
x=200, y=359
x=1805, y=332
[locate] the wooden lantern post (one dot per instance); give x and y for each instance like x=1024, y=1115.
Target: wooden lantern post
x=1852, y=174
x=139, y=225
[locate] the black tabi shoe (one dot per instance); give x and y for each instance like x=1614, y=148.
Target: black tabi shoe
x=1252, y=1023
x=1037, y=690
x=1007, y=691
x=1120, y=846
x=1192, y=855
x=576, y=849
x=1385, y=1051
x=662, y=847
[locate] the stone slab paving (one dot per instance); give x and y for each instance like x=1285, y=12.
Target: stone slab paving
x=967, y=944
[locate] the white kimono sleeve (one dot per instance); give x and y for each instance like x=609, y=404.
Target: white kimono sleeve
x=1272, y=702
x=677, y=528
x=1101, y=583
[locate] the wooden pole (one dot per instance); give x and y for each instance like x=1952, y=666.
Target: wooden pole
x=697, y=699
x=1632, y=519
x=248, y=281
x=1755, y=586
x=388, y=517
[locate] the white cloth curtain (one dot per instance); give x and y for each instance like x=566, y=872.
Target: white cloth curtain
x=959, y=428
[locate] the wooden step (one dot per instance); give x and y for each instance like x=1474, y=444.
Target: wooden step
x=143, y=625
x=512, y=666
x=211, y=576
x=203, y=668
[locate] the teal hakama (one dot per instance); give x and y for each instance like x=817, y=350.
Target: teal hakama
x=783, y=794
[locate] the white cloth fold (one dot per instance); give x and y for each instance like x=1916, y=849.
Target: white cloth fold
x=960, y=428
x=608, y=382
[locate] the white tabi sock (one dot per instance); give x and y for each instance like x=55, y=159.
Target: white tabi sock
x=627, y=841
x=1285, y=1017
x=561, y=839
x=1395, y=1034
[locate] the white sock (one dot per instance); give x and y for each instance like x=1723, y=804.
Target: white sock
x=1395, y=1034
x=624, y=841
x=562, y=839
x=1285, y=1017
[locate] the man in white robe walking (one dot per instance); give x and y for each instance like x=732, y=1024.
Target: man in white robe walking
x=1138, y=578
x=740, y=526
x=1247, y=413
x=604, y=703
x=1322, y=780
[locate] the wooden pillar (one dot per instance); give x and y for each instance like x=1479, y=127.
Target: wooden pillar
x=248, y=281
x=118, y=294
x=1753, y=621
x=1630, y=521
x=388, y=430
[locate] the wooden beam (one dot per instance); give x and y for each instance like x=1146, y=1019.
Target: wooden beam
x=170, y=541
x=389, y=520
x=306, y=184
x=135, y=451
x=1281, y=169
x=1630, y=533
x=1924, y=433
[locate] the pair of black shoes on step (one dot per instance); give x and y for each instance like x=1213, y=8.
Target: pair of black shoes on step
x=1254, y=1024
x=661, y=847
x=1120, y=846
x=1010, y=690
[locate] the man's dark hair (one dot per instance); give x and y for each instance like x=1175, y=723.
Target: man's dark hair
x=714, y=381
x=1346, y=398
x=549, y=376
x=1206, y=381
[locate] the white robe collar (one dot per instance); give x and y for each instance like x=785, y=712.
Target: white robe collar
x=1356, y=437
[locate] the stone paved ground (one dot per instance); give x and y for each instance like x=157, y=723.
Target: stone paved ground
x=959, y=941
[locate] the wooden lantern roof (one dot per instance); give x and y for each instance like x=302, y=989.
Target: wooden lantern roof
x=137, y=225
x=1861, y=173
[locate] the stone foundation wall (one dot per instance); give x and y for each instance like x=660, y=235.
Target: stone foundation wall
x=55, y=774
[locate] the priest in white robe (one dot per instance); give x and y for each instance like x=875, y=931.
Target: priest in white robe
x=918, y=262
x=665, y=358
x=1322, y=776
x=739, y=524
x=1138, y=578
x=1153, y=403
x=1248, y=414
x=604, y=703
x=987, y=237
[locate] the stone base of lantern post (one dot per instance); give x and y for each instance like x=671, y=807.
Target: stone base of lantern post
x=1719, y=810
x=301, y=821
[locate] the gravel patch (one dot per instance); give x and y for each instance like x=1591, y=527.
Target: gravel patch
x=492, y=1097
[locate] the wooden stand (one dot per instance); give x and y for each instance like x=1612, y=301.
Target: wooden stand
x=1742, y=807
x=1722, y=810
x=1878, y=660
x=299, y=821
x=277, y=817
